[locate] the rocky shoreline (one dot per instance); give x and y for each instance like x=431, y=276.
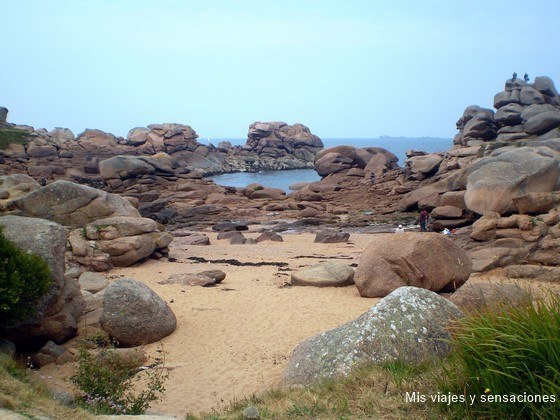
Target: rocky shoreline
x=106, y=204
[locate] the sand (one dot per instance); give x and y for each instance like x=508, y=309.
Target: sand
x=235, y=339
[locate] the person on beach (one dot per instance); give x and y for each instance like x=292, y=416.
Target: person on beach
x=400, y=229
x=423, y=219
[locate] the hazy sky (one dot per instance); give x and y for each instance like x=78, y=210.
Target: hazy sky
x=344, y=68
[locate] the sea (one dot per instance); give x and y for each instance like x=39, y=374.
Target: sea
x=283, y=179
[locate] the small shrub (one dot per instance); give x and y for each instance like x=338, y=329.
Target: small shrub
x=106, y=383
x=258, y=188
x=24, y=278
x=513, y=353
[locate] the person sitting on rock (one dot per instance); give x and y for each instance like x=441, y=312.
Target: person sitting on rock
x=400, y=229
x=514, y=76
x=423, y=219
x=526, y=78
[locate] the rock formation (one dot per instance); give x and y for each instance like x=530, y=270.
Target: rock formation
x=369, y=161
x=278, y=139
x=117, y=241
x=58, y=154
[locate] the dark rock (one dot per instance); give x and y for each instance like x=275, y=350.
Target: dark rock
x=7, y=347
x=229, y=226
x=50, y=353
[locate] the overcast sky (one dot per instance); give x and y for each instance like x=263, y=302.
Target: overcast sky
x=344, y=68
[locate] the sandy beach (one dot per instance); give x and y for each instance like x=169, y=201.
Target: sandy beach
x=235, y=339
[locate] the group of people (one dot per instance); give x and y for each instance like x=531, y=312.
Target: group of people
x=525, y=77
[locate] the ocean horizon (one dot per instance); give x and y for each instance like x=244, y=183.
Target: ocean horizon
x=283, y=179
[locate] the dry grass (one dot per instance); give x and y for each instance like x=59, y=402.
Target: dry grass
x=28, y=397
x=369, y=392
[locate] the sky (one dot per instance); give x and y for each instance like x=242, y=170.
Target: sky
x=347, y=69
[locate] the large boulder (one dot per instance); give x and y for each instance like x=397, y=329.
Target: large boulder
x=477, y=123
x=495, y=181
x=328, y=274
x=72, y=204
x=541, y=123
x=545, y=85
x=133, y=314
x=409, y=325
x=58, y=310
x=13, y=187
x=423, y=165
x=427, y=260
x=374, y=160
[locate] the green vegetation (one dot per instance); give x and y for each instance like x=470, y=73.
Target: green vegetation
x=370, y=391
x=9, y=136
x=23, y=394
x=511, y=354
x=24, y=278
x=106, y=382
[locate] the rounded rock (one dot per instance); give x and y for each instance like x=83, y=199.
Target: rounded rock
x=134, y=314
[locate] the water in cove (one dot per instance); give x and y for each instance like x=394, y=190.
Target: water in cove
x=283, y=179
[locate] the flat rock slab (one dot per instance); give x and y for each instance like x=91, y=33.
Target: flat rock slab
x=204, y=278
x=327, y=274
x=199, y=240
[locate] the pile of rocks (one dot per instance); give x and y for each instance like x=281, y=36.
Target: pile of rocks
x=278, y=139
x=105, y=229
x=369, y=162
x=523, y=110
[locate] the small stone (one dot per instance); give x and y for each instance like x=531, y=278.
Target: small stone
x=252, y=413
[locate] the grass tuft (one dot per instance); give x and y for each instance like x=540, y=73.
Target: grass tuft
x=25, y=395
x=9, y=136
x=510, y=354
